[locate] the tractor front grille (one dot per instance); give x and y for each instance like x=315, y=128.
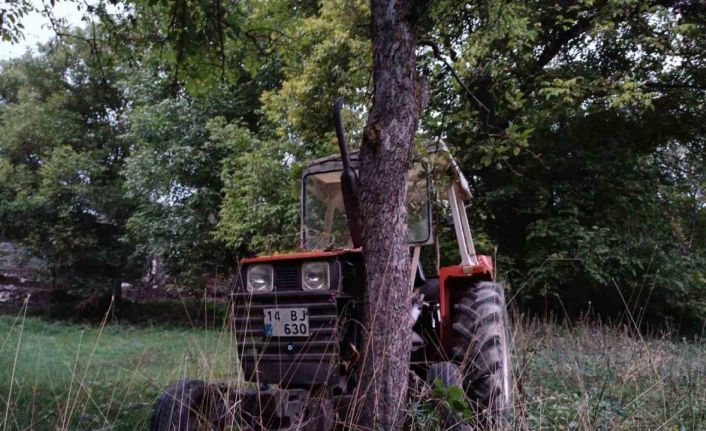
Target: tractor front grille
x=287, y=276
x=288, y=361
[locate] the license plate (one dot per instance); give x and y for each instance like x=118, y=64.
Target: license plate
x=286, y=322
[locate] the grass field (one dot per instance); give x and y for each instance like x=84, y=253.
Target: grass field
x=593, y=377
x=91, y=377
x=584, y=377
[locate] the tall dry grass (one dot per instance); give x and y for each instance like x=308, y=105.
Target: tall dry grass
x=580, y=376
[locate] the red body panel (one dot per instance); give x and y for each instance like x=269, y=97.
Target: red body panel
x=299, y=255
x=482, y=271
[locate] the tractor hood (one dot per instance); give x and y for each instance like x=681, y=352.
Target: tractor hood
x=300, y=255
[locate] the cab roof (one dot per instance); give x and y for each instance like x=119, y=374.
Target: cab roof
x=439, y=148
x=330, y=163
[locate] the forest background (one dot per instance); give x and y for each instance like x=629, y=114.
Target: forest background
x=177, y=130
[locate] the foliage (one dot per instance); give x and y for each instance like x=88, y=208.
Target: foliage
x=579, y=127
x=174, y=174
x=326, y=55
x=60, y=160
x=260, y=210
x=455, y=397
x=11, y=14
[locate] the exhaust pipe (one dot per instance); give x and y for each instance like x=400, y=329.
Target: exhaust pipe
x=349, y=180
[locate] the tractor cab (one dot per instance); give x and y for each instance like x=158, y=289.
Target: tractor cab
x=324, y=223
x=323, y=214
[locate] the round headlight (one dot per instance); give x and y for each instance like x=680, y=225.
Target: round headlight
x=260, y=278
x=315, y=276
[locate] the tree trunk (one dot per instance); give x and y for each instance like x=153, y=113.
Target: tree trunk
x=385, y=157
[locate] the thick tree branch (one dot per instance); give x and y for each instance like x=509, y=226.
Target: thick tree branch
x=563, y=37
x=559, y=42
x=439, y=56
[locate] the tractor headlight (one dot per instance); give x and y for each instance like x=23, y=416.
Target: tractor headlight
x=260, y=278
x=315, y=276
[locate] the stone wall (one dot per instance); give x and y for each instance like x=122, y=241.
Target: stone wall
x=15, y=261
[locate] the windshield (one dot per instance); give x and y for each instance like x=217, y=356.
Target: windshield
x=324, y=221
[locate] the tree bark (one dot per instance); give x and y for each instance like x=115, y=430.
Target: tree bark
x=385, y=157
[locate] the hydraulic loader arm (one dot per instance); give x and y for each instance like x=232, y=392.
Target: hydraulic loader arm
x=458, y=193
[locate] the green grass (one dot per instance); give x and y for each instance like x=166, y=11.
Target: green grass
x=69, y=376
x=594, y=377
x=583, y=377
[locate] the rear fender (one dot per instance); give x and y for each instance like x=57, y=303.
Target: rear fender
x=456, y=277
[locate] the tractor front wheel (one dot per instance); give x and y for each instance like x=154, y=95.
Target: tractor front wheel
x=481, y=346
x=190, y=405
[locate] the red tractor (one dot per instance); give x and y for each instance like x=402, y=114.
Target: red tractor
x=297, y=316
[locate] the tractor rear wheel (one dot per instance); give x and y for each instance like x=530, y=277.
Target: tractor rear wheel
x=190, y=405
x=481, y=346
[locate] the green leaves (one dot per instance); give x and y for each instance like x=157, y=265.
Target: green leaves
x=455, y=397
x=11, y=14
x=60, y=160
x=68, y=176
x=174, y=174
x=565, y=90
x=567, y=111
x=630, y=93
x=260, y=210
